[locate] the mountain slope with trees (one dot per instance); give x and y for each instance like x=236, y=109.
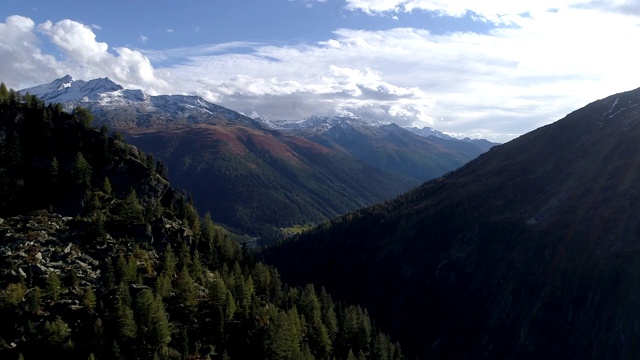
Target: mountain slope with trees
x=258, y=181
x=101, y=259
x=529, y=251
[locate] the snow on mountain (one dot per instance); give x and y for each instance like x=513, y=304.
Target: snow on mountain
x=323, y=123
x=427, y=131
x=100, y=95
x=67, y=89
x=318, y=122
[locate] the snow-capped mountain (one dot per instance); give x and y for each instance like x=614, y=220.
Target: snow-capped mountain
x=317, y=122
x=320, y=124
x=67, y=89
x=110, y=102
x=427, y=131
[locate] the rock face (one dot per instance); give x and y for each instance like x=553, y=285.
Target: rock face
x=35, y=246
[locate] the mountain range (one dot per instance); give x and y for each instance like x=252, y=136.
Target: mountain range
x=255, y=176
x=530, y=251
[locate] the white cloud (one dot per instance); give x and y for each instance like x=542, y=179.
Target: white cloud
x=77, y=41
x=22, y=60
x=498, y=11
x=76, y=53
x=143, y=39
x=498, y=84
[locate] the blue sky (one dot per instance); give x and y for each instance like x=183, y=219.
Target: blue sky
x=492, y=69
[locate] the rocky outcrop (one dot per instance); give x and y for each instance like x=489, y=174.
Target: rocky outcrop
x=32, y=247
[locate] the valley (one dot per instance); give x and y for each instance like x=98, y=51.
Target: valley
x=257, y=177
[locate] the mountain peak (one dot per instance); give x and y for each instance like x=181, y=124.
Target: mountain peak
x=101, y=94
x=65, y=81
x=67, y=89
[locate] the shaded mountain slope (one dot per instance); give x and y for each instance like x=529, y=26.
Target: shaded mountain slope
x=530, y=251
x=388, y=147
x=252, y=179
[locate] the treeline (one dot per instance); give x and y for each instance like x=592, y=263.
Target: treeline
x=170, y=284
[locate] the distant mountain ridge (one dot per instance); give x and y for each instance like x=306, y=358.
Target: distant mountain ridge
x=418, y=155
x=118, y=107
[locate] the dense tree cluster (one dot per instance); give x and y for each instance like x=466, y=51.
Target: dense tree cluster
x=181, y=290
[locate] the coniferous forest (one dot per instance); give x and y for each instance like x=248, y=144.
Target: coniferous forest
x=101, y=259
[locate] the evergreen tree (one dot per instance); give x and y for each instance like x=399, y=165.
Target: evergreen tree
x=54, y=171
x=130, y=208
x=106, y=186
x=169, y=261
x=4, y=94
x=83, y=116
x=329, y=318
x=186, y=291
x=81, y=172
x=143, y=313
x=13, y=294
x=34, y=299
x=125, y=322
x=57, y=334
x=89, y=299
x=163, y=285
x=280, y=340
x=14, y=150
x=54, y=286
x=99, y=338
x=160, y=328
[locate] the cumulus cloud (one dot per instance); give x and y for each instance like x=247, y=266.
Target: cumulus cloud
x=533, y=67
x=22, y=60
x=80, y=55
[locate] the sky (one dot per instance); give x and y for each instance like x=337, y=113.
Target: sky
x=492, y=69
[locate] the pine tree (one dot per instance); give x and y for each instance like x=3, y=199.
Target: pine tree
x=329, y=318
x=106, y=186
x=160, y=328
x=280, y=340
x=125, y=322
x=54, y=286
x=89, y=299
x=83, y=116
x=143, y=313
x=57, y=333
x=54, y=171
x=186, y=291
x=98, y=338
x=163, y=284
x=4, y=94
x=169, y=261
x=14, y=150
x=14, y=294
x=81, y=172
x=130, y=208
x=34, y=299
